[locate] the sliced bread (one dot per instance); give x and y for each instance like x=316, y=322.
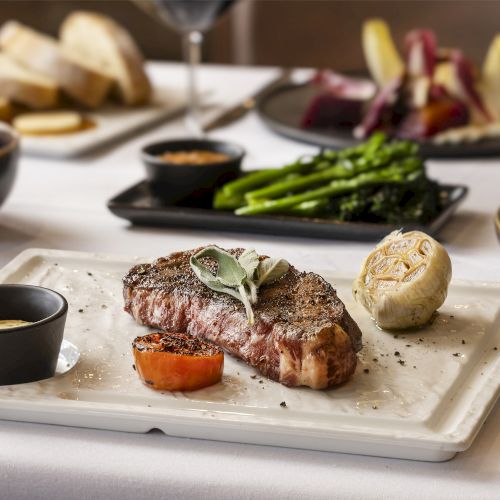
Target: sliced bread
x=43, y=54
x=5, y=110
x=111, y=49
x=24, y=86
x=48, y=123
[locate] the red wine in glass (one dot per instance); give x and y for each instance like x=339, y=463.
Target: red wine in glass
x=191, y=15
x=191, y=18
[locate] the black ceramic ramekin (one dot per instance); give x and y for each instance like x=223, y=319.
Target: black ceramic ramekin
x=174, y=182
x=9, y=155
x=30, y=352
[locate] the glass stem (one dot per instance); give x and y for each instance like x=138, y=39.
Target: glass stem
x=192, y=47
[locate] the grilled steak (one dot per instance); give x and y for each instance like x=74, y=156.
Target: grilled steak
x=302, y=333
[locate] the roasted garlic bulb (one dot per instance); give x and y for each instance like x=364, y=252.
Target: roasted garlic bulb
x=404, y=280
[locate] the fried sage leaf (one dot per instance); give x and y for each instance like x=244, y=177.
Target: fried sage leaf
x=239, y=278
x=270, y=270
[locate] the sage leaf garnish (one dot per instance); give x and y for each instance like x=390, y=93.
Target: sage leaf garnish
x=249, y=260
x=229, y=270
x=270, y=270
x=240, y=278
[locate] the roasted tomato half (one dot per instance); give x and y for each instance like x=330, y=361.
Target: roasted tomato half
x=177, y=361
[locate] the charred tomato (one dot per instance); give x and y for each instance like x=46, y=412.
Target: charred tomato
x=177, y=361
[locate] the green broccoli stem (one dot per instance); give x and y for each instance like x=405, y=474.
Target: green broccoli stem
x=260, y=177
x=223, y=202
x=320, y=162
x=343, y=170
x=309, y=208
x=397, y=172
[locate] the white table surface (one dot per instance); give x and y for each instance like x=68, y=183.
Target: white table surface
x=61, y=204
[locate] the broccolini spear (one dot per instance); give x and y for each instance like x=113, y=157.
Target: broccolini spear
x=345, y=168
x=396, y=172
x=319, y=162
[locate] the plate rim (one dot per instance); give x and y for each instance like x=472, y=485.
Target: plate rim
x=51, y=412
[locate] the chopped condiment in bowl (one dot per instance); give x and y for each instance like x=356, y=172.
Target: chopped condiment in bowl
x=194, y=157
x=189, y=170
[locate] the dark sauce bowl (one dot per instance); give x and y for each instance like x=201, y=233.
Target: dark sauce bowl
x=173, y=182
x=30, y=352
x=9, y=155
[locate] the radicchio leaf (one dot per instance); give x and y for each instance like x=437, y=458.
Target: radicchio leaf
x=465, y=75
x=421, y=53
x=382, y=102
x=340, y=101
x=347, y=87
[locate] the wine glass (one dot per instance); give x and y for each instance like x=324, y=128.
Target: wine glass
x=191, y=18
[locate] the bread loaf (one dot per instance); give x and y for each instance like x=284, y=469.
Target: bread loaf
x=21, y=85
x=43, y=54
x=111, y=49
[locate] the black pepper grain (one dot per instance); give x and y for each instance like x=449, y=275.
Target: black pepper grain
x=397, y=353
x=366, y=370
x=283, y=404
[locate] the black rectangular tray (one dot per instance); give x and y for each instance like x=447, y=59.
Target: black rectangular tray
x=138, y=205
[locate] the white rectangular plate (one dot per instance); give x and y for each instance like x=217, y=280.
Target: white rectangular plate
x=421, y=395
x=112, y=123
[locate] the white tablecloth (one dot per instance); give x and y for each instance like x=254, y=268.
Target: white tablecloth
x=61, y=204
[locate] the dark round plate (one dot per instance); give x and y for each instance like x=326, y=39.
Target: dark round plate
x=282, y=109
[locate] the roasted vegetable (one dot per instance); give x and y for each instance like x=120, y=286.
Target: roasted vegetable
x=395, y=173
x=404, y=280
x=177, y=361
x=340, y=100
x=436, y=116
x=377, y=181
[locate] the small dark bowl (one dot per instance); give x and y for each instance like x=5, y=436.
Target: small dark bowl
x=9, y=154
x=173, y=182
x=30, y=352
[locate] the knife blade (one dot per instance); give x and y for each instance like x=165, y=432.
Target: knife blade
x=242, y=108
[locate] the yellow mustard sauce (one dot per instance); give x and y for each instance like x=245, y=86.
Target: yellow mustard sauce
x=13, y=323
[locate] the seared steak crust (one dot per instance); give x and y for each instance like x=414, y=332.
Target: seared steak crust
x=302, y=333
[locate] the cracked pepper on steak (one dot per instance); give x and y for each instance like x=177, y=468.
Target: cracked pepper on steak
x=302, y=333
